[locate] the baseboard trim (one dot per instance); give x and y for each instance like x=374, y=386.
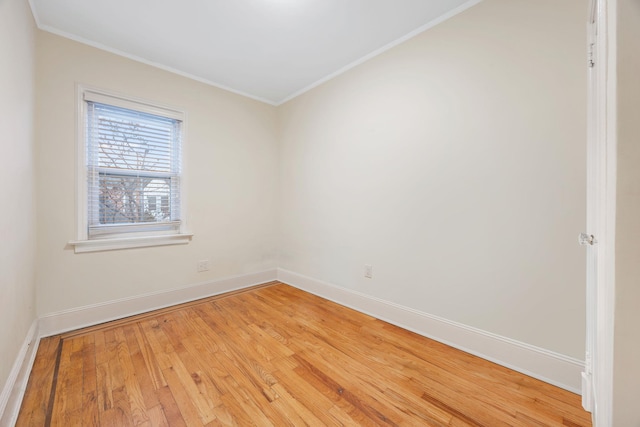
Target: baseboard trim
x=554, y=368
x=16, y=384
x=94, y=314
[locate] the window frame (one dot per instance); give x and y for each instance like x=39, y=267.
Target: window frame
x=146, y=237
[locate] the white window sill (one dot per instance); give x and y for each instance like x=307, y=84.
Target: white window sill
x=98, y=245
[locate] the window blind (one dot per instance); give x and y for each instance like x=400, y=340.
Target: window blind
x=133, y=171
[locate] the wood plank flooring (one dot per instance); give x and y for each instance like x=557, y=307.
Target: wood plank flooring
x=276, y=356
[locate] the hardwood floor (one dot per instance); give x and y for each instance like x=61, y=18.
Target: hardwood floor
x=276, y=356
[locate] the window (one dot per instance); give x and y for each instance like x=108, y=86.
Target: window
x=130, y=182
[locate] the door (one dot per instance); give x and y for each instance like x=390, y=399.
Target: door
x=599, y=238
x=588, y=238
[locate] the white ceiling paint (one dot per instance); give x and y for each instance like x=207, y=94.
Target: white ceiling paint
x=270, y=50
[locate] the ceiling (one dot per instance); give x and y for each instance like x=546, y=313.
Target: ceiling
x=270, y=50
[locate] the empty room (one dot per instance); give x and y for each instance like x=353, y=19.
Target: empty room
x=320, y=212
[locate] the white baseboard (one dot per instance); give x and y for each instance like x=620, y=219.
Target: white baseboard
x=545, y=365
x=16, y=384
x=76, y=318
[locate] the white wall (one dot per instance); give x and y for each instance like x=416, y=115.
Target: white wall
x=230, y=157
x=455, y=165
x=17, y=191
x=626, y=381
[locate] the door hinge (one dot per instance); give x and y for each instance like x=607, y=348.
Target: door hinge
x=587, y=239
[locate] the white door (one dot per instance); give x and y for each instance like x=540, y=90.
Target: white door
x=588, y=238
x=600, y=234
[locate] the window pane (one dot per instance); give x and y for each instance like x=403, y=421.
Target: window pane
x=130, y=199
x=132, y=140
x=133, y=161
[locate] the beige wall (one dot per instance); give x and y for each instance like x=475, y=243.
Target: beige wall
x=626, y=379
x=230, y=157
x=17, y=191
x=455, y=165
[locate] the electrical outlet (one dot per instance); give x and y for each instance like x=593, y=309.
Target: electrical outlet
x=368, y=271
x=203, y=265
